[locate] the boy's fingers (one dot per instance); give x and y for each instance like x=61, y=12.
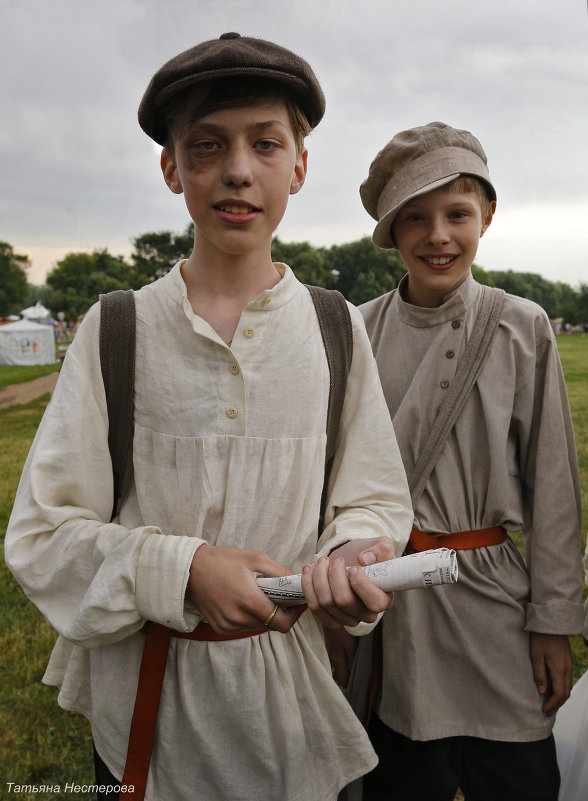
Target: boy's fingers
x=381, y=550
x=317, y=590
x=373, y=598
x=284, y=619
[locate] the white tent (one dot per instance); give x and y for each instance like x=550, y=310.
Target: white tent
x=38, y=313
x=26, y=342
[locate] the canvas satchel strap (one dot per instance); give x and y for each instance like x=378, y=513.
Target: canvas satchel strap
x=337, y=333
x=117, y=362
x=467, y=372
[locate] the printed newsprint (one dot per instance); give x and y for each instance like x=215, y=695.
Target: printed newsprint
x=425, y=569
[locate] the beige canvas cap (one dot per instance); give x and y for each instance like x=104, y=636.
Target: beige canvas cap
x=417, y=161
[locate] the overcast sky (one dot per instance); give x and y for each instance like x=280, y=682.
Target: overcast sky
x=77, y=172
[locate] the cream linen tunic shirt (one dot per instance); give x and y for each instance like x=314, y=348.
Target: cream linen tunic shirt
x=457, y=657
x=229, y=449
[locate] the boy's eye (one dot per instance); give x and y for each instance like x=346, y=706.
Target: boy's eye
x=265, y=144
x=457, y=215
x=206, y=146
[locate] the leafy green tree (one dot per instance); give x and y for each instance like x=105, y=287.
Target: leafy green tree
x=306, y=261
x=481, y=276
x=582, y=305
x=528, y=285
x=566, y=303
x=14, y=288
x=363, y=270
x=78, y=280
x=156, y=253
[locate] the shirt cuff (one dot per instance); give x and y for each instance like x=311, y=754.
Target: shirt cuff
x=162, y=577
x=363, y=628
x=557, y=617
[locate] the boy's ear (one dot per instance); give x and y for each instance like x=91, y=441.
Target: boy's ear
x=170, y=173
x=299, y=173
x=488, y=220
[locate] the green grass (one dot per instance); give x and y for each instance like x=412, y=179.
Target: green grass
x=42, y=744
x=18, y=375
x=573, y=351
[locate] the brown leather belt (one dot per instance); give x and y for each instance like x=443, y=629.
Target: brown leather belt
x=153, y=664
x=460, y=540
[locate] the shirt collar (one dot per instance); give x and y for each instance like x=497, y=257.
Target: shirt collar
x=455, y=304
x=267, y=300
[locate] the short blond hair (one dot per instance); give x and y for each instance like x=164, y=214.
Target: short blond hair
x=469, y=183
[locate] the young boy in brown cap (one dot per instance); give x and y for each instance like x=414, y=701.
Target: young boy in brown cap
x=473, y=673
x=230, y=414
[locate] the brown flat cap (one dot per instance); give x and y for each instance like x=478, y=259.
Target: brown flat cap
x=415, y=162
x=231, y=55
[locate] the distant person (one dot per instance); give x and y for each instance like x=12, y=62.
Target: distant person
x=230, y=413
x=473, y=673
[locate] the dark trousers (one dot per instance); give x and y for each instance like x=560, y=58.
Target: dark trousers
x=485, y=770
x=104, y=777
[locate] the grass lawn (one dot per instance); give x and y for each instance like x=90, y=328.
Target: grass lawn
x=41, y=744
x=18, y=375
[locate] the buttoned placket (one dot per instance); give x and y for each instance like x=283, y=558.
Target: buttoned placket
x=239, y=359
x=449, y=348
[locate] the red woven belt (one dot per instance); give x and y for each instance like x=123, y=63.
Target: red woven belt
x=153, y=664
x=460, y=540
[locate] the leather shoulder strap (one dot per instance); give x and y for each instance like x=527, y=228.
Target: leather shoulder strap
x=117, y=361
x=467, y=372
x=337, y=333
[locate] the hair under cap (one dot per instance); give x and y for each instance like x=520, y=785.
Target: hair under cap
x=417, y=161
x=230, y=56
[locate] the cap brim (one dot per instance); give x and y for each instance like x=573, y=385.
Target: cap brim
x=382, y=236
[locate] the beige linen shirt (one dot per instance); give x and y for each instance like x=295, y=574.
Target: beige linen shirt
x=229, y=449
x=457, y=657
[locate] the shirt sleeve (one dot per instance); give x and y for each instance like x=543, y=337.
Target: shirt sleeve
x=551, y=492
x=95, y=580
x=368, y=493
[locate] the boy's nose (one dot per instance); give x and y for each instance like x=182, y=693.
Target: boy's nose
x=238, y=167
x=437, y=233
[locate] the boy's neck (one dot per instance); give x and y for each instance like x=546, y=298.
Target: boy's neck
x=220, y=287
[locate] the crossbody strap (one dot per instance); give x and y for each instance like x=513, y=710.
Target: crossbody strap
x=117, y=362
x=467, y=372
x=337, y=333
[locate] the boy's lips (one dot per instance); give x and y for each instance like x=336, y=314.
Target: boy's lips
x=235, y=211
x=440, y=262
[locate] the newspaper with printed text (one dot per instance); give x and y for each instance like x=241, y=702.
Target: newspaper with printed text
x=425, y=569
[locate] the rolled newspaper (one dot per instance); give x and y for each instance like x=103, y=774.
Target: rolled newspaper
x=424, y=569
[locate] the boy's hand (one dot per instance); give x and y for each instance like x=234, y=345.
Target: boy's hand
x=338, y=598
x=341, y=648
x=222, y=587
x=551, y=656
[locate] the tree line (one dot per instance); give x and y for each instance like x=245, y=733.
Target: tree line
x=359, y=270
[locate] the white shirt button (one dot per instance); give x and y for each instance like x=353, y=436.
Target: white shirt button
x=231, y=412
x=266, y=300
x=249, y=332
x=235, y=369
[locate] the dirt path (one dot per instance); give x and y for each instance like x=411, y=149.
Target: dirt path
x=24, y=393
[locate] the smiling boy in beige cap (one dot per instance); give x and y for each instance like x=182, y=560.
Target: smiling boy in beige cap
x=473, y=673
x=232, y=388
